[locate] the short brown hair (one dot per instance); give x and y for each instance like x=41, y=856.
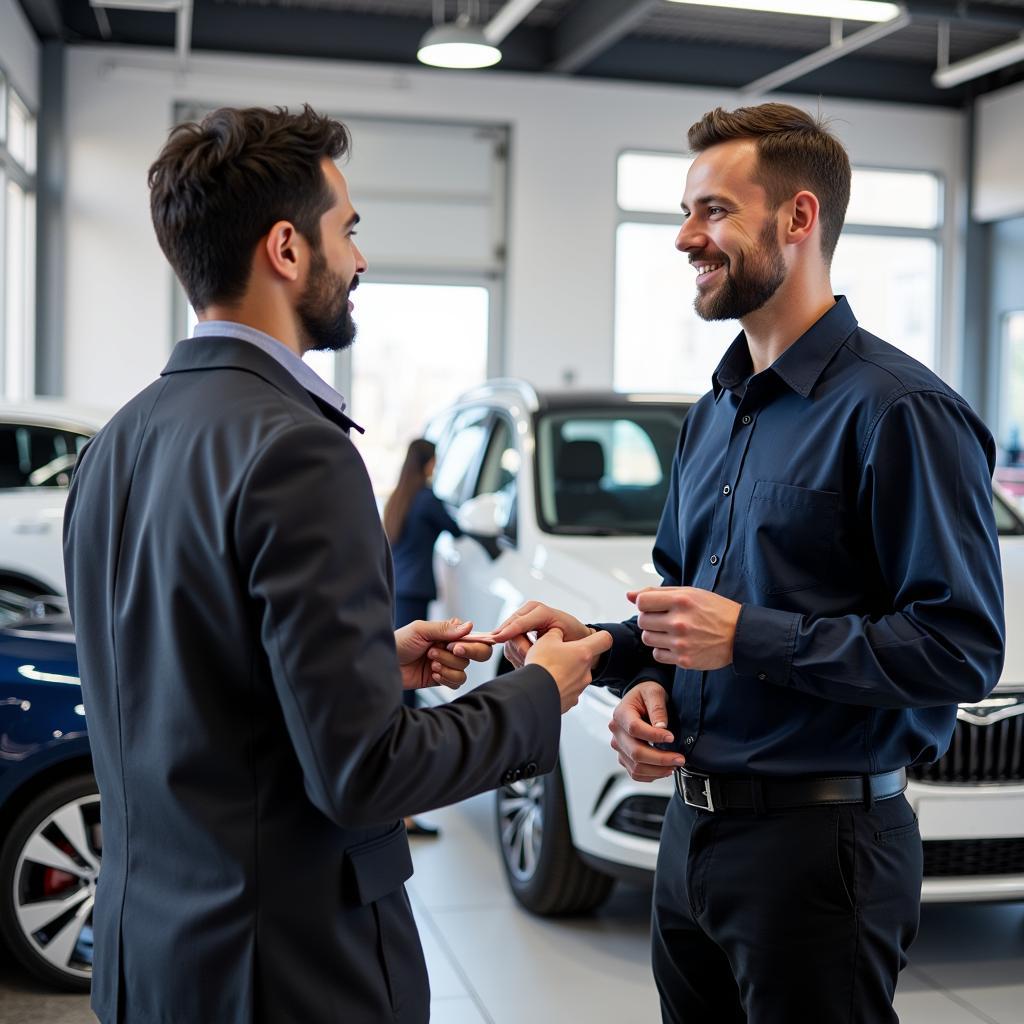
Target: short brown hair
x=795, y=151
x=217, y=188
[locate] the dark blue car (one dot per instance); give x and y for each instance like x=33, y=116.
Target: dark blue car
x=50, y=839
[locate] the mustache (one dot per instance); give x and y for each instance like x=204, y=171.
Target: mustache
x=354, y=285
x=708, y=257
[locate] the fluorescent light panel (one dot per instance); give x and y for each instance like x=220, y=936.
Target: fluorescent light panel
x=846, y=10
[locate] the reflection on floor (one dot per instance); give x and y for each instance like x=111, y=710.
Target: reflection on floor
x=491, y=963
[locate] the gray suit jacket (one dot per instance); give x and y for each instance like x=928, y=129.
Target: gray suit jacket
x=231, y=590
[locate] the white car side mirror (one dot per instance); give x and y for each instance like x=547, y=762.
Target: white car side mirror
x=482, y=516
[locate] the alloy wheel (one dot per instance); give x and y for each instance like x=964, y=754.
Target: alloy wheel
x=521, y=821
x=55, y=885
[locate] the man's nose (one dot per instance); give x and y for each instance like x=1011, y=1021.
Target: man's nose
x=689, y=238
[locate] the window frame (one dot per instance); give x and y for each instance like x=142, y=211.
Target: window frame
x=935, y=234
x=23, y=177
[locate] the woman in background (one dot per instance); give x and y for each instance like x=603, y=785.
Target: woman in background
x=413, y=519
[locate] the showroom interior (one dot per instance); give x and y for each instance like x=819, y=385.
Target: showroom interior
x=518, y=222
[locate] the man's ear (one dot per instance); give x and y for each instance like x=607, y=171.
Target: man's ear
x=283, y=245
x=804, y=212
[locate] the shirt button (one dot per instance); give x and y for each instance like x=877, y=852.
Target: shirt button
x=714, y=559
x=745, y=421
x=727, y=489
x=762, y=676
x=689, y=741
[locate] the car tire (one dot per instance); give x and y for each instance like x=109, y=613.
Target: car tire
x=49, y=863
x=544, y=871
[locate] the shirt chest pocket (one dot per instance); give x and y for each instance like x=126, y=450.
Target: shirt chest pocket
x=788, y=536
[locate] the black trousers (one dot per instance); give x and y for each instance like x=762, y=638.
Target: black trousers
x=785, y=917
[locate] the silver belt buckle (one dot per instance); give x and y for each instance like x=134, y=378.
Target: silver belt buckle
x=694, y=787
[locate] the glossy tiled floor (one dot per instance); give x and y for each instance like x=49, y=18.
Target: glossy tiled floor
x=490, y=963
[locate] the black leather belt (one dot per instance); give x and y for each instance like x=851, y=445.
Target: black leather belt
x=732, y=793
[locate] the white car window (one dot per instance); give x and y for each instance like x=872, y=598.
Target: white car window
x=606, y=470
x=460, y=455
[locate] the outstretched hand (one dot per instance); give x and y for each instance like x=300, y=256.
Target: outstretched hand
x=437, y=653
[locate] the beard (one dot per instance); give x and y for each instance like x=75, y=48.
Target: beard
x=749, y=283
x=323, y=312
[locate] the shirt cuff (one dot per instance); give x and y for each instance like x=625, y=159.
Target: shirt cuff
x=618, y=664
x=764, y=643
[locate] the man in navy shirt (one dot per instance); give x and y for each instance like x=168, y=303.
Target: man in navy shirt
x=831, y=591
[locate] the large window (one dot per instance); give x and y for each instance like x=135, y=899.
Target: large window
x=887, y=263
x=17, y=244
x=1011, y=405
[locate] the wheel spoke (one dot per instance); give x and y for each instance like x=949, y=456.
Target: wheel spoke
x=33, y=916
x=529, y=848
x=40, y=850
x=69, y=820
x=58, y=951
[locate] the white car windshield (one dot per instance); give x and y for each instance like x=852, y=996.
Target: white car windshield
x=606, y=471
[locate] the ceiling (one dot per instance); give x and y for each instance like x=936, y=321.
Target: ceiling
x=634, y=40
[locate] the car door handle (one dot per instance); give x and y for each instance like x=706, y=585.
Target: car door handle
x=33, y=526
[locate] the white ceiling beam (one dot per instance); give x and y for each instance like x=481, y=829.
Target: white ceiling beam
x=980, y=64
x=820, y=58
x=507, y=18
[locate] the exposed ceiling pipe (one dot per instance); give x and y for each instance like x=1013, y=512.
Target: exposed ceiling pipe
x=182, y=9
x=979, y=64
x=818, y=59
x=507, y=18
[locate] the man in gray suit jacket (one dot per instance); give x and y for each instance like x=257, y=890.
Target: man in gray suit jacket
x=231, y=589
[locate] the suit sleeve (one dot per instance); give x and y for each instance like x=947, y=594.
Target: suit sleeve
x=313, y=557
x=926, y=498
x=630, y=661
x=439, y=516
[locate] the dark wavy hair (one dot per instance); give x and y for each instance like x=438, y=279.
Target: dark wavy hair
x=217, y=188
x=410, y=481
x=795, y=151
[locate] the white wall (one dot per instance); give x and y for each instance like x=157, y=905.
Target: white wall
x=19, y=52
x=566, y=135
x=999, y=155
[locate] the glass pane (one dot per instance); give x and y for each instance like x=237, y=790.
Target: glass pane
x=418, y=347
x=891, y=284
x=20, y=133
x=606, y=471
x=904, y=199
x=460, y=455
x=660, y=342
x=652, y=182
x=19, y=272
x=1012, y=412
x=325, y=364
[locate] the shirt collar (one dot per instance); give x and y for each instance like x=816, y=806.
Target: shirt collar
x=279, y=352
x=802, y=364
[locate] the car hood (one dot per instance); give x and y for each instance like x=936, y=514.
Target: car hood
x=599, y=570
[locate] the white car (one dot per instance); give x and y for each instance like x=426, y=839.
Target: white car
x=39, y=444
x=559, y=498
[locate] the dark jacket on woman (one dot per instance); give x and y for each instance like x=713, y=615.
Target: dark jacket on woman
x=414, y=550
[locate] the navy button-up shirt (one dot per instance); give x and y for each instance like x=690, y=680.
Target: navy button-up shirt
x=843, y=496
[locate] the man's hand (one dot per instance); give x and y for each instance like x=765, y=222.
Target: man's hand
x=568, y=662
x=687, y=627
x=425, y=659
x=638, y=721
x=538, y=618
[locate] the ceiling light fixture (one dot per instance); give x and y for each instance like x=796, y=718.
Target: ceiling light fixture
x=460, y=44
x=845, y=10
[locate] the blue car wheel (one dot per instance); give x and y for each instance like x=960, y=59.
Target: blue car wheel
x=49, y=863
